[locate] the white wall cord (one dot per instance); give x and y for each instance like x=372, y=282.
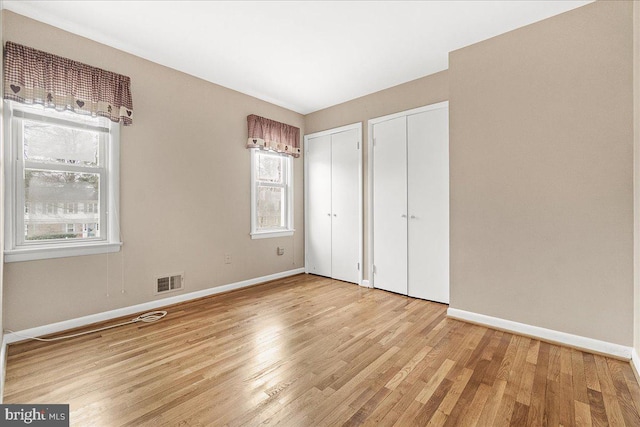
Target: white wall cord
x=150, y=317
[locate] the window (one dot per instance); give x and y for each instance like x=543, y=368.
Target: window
x=61, y=161
x=50, y=208
x=70, y=208
x=90, y=207
x=271, y=194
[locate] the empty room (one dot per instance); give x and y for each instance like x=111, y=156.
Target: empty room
x=320, y=213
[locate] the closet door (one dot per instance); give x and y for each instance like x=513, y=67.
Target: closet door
x=390, y=205
x=345, y=220
x=318, y=196
x=428, y=204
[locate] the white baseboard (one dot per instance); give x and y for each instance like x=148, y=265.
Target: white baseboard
x=11, y=337
x=583, y=343
x=365, y=283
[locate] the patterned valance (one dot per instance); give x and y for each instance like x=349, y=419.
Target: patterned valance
x=35, y=77
x=271, y=135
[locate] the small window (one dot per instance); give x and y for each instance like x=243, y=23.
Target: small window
x=271, y=194
x=90, y=207
x=71, y=208
x=50, y=207
x=62, y=166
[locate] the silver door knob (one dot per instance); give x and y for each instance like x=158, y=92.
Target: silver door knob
x=403, y=216
x=335, y=214
x=328, y=214
x=413, y=217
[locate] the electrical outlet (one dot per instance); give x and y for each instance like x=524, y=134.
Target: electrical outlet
x=227, y=259
x=280, y=251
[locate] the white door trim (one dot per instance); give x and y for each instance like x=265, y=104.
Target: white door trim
x=411, y=112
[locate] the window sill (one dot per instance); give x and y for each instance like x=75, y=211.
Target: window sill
x=60, y=251
x=269, y=234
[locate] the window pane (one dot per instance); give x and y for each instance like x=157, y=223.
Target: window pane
x=270, y=208
x=52, y=201
x=270, y=167
x=50, y=143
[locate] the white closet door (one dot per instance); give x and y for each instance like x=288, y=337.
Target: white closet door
x=428, y=189
x=345, y=226
x=319, y=205
x=390, y=205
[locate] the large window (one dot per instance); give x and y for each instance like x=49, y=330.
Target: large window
x=67, y=164
x=271, y=194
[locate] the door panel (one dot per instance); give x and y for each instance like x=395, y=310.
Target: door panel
x=345, y=228
x=428, y=202
x=319, y=205
x=390, y=205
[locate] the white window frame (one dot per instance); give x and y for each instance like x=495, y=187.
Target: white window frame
x=16, y=248
x=288, y=230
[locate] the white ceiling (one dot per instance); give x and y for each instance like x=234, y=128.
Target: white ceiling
x=301, y=55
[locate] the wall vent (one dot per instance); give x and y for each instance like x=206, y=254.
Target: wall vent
x=174, y=282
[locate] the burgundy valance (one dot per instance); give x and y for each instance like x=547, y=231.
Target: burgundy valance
x=35, y=77
x=271, y=135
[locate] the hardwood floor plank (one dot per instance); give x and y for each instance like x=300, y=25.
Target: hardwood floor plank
x=490, y=410
x=596, y=407
x=514, y=380
x=308, y=350
x=435, y=381
x=459, y=383
x=611, y=406
x=623, y=395
x=526, y=386
x=407, y=369
x=578, y=377
x=477, y=404
x=519, y=415
x=590, y=372
x=582, y=413
x=633, y=387
x=567, y=414
x=536, y=415
x=400, y=405
x=460, y=410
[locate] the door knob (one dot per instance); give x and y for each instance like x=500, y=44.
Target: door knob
x=404, y=216
x=335, y=214
x=413, y=217
x=328, y=214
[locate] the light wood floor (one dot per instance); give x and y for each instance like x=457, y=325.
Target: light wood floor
x=312, y=351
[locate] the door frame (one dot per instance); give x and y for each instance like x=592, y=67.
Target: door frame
x=357, y=126
x=370, y=181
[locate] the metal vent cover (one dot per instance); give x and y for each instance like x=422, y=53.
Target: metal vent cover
x=174, y=282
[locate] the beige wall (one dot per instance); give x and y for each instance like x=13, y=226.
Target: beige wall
x=417, y=93
x=185, y=182
x=541, y=171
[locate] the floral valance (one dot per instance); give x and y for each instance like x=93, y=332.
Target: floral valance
x=35, y=77
x=271, y=135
